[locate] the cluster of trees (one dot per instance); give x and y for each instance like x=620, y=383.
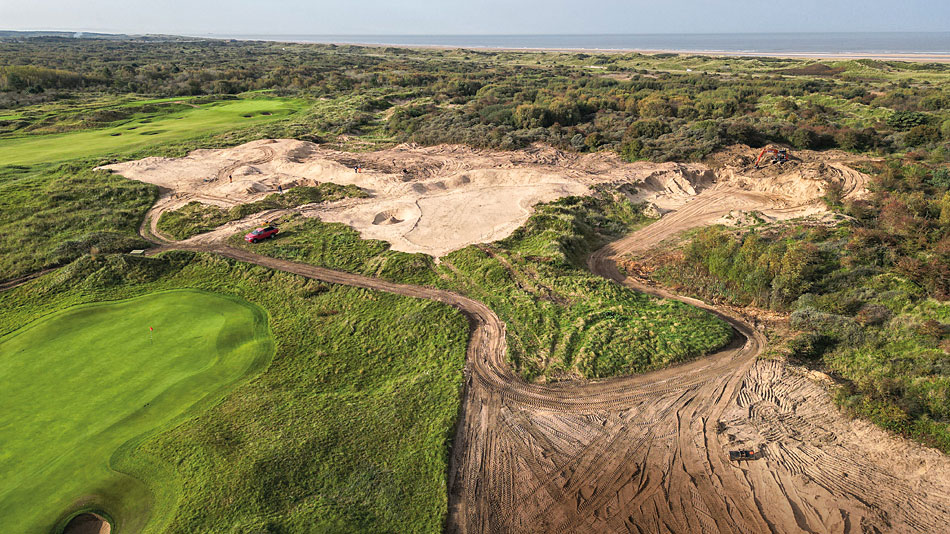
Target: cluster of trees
x=30, y=79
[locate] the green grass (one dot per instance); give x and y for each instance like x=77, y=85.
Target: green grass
x=562, y=321
x=346, y=430
x=141, y=132
x=49, y=218
x=194, y=218
x=89, y=381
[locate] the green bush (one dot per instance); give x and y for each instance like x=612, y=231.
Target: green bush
x=905, y=120
x=921, y=135
x=804, y=138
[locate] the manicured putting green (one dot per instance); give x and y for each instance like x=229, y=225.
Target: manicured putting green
x=84, y=386
x=139, y=133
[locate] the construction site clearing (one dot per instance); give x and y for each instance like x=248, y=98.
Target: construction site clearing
x=439, y=199
x=725, y=443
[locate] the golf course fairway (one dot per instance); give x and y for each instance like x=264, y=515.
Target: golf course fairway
x=83, y=387
x=141, y=132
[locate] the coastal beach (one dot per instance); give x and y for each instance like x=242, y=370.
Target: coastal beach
x=932, y=47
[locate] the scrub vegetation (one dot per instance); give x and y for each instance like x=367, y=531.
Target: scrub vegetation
x=868, y=298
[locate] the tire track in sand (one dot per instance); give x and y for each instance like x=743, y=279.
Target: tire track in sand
x=647, y=453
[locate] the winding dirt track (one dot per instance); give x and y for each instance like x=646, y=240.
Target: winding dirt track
x=650, y=453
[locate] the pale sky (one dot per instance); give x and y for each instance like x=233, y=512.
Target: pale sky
x=284, y=17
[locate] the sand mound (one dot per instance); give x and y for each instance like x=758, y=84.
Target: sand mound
x=442, y=198
x=88, y=523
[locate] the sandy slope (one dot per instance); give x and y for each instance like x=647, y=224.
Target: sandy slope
x=650, y=453
x=440, y=199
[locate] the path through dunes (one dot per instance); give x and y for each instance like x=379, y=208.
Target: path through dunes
x=649, y=453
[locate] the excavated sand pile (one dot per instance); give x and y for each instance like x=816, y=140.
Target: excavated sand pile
x=440, y=199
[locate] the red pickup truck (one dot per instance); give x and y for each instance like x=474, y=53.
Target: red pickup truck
x=266, y=232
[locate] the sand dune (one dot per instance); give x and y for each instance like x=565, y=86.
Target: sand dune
x=439, y=199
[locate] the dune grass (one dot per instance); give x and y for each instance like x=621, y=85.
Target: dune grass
x=194, y=218
x=89, y=381
x=144, y=129
x=346, y=430
x=51, y=217
x=563, y=321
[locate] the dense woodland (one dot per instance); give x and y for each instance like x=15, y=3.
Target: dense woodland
x=867, y=297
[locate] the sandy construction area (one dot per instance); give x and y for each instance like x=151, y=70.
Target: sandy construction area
x=439, y=199
x=648, y=453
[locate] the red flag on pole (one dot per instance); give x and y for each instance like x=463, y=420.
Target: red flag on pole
x=150, y=329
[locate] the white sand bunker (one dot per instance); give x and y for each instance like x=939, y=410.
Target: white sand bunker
x=439, y=199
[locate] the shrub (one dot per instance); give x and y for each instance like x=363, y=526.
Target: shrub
x=940, y=178
x=810, y=345
x=804, y=138
x=921, y=135
x=850, y=139
x=648, y=128
x=905, y=120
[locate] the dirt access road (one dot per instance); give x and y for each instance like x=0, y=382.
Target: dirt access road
x=650, y=453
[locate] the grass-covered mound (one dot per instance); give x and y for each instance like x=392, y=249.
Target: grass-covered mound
x=346, y=430
x=562, y=321
x=83, y=385
x=194, y=218
x=51, y=217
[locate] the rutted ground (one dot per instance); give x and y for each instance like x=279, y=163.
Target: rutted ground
x=650, y=453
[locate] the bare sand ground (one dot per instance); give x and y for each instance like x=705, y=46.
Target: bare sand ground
x=439, y=199
x=650, y=453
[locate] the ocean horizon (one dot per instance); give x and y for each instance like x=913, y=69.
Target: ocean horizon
x=762, y=43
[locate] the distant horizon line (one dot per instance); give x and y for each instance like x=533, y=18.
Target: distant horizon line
x=225, y=33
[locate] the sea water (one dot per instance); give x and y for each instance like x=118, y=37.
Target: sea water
x=762, y=43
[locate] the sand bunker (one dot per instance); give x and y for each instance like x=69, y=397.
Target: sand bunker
x=439, y=199
x=88, y=523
